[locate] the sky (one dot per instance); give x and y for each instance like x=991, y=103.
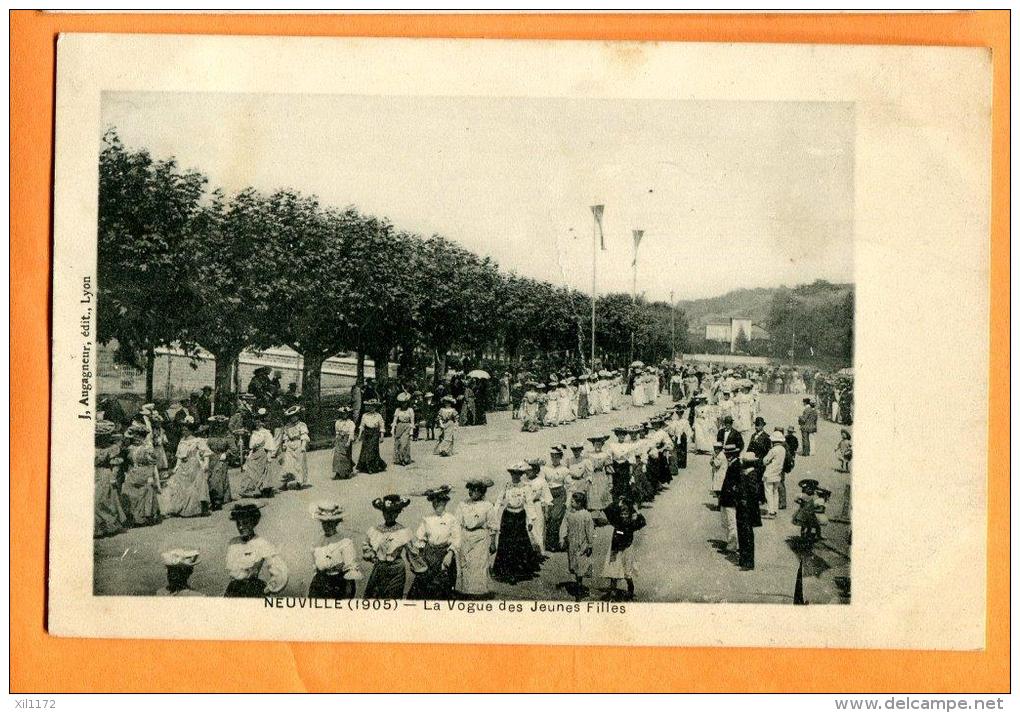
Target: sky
x=729, y=194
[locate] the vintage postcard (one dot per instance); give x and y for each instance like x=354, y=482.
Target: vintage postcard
x=520, y=342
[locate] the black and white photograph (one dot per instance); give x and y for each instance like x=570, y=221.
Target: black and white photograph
x=622, y=349
x=459, y=348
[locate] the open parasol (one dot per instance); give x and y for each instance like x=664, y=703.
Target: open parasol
x=478, y=374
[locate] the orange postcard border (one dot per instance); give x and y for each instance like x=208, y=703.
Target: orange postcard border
x=42, y=663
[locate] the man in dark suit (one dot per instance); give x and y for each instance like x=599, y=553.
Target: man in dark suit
x=759, y=442
x=727, y=435
x=758, y=445
x=808, y=426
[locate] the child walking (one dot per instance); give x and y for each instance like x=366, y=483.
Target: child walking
x=577, y=538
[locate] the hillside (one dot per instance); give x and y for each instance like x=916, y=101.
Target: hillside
x=753, y=304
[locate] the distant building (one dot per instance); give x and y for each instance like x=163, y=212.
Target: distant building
x=726, y=330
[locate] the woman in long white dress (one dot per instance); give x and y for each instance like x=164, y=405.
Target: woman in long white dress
x=704, y=425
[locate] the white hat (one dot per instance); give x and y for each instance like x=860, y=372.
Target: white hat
x=179, y=557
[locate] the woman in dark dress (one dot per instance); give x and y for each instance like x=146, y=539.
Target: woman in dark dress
x=254, y=565
x=220, y=443
x=516, y=551
x=370, y=433
x=386, y=548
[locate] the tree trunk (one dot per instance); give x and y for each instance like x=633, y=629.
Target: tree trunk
x=311, y=377
x=236, y=367
x=406, y=364
x=381, y=359
x=360, y=373
x=440, y=370
x=150, y=372
x=222, y=386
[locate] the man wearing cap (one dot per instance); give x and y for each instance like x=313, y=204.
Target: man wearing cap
x=772, y=473
x=808, y=426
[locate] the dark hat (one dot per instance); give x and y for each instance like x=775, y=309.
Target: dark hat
x=727, y=419
x=620, y=429
x=245, y=509
x=535, y=462
x=207, y=388
x=392, y=503
x=807, y=400
x=479, y=483
x=601, y=438
x=262, y=370
x=440, y=492
x=518, y=467
x=556, y=451
x=807, y=483
x=759, y=421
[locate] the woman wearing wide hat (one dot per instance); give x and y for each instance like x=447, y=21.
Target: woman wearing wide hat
x=180, y=563
x=434, y=547
x=343, y=444
x=138, y=492
x=476, y=517
x=109, y=516
x=385, y=547
x=447, y=418
x=220, y=443
x=254, y=565
x=515, y=546
x=336, y=563
x=261, y=447
x=403, y=427
x=370, y=433
x=293, y=453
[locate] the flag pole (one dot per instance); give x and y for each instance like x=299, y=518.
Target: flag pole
x=672, y=326
x=594, y=293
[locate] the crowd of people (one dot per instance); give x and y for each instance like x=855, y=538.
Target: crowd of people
x=550, y=506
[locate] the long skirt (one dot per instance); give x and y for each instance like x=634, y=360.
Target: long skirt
x=704, y=436
x=386, y=581
x=644, y=490
x=293, y=466
x=530, y=417
x=582, y=405
x=402, y=443
x=331, y=586
x=515, y=554
x=255, y=474
x=554, y=515
x=343, y=461
x=600, y=494
x=369, y=460
x=436, y=581
x=662, y=473
x=139, y=497
x=681, y=452
x=109, y=516
x=552, y=413
x=473, y=562
x=621, y=479
x=251, y=587
x=219, y=484
x=447, y=436
x=538, y=526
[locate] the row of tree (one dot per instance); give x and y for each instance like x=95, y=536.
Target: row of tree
x=185, y=265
